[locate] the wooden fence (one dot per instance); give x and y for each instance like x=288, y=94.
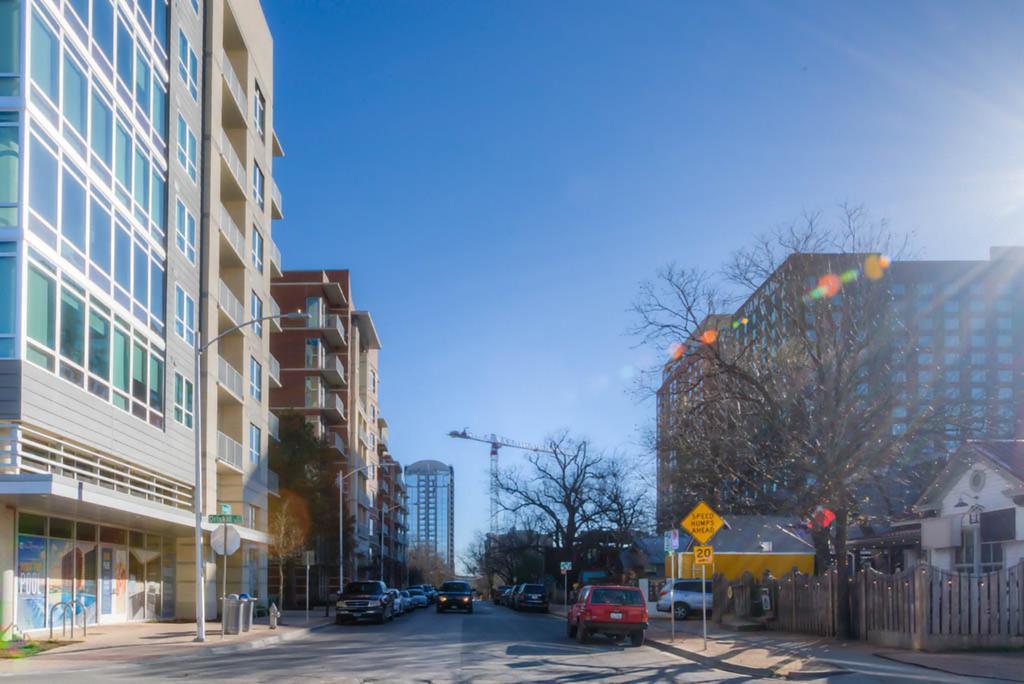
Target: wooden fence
x=923, y=608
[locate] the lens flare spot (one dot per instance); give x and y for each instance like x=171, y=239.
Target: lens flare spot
x=849, y=276
x=743, y=320
x=829, y=285
x=709, y=336
x=874, y=266
x=675, y=350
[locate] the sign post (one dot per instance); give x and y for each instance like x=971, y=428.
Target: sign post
x=702, y=523
x=309, y=558
x=565, y=567
x=225, y=540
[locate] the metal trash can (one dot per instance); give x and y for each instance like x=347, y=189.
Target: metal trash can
x=231, y=615
x=248, y=606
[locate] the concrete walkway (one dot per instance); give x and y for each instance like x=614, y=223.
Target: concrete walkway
x=157, y=640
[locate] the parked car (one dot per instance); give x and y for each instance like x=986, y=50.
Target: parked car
x=431, y=593
x=397, y=602
x=368, y=600
x=614, y=611
x=532, y=597
x=419, y=599
x=504, y=598
x=496, y=594
x=455, y=595
x=408, y=605
x=689, y=599
x=513, y=596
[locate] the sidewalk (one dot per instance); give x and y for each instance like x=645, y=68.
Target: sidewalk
x=154, y=640
x=801, y=657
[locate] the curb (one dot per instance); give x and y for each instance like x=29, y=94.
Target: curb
x=261, y=643
x=719, y=664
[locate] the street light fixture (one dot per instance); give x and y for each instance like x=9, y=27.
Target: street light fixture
x=197, y=493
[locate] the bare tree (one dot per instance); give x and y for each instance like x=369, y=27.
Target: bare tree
x=787, y=403
x=426, y=566
x=509, y=557
x=288, y=528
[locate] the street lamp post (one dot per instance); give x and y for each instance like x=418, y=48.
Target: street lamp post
x=341, y=517
x=197, y=493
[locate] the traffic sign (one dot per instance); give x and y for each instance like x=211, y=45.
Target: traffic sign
x=225, y=540
x=222, y=519
x=565, y=566
x=225, y=509
x=703, y=555
x=309, y=558
x=702, y=523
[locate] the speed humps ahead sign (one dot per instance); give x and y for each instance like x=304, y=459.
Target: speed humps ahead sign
x=702, y=523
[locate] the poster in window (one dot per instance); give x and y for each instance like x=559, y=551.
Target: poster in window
x=107, y=580
x=60, y=573
x=31, y=582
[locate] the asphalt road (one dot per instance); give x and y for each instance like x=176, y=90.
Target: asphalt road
x=492, y=645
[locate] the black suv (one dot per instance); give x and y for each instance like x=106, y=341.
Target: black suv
x=455, y=595
x=365, y=601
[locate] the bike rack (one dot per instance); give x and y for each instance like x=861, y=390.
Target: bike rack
x=66, y=606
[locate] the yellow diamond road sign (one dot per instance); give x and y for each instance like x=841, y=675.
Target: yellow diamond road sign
x=702, y=523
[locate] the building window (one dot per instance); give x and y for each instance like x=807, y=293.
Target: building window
x=188, y=65
x=255, y=451
x=8, y=297
x=186, y=147
x=257, y=185
x=185, y=232
x=314, y=351
x=125, y=53
x=315, y=309
x=259, y=114
x=10, y=153
x=143, y=83
x=45, y=59
x=257, y=250
x=42, y=316
x=184, y=316
x=314, y=394
x=256, y=309
x=76, y=96
x=253, y=517
x=255, y=379
x=183, y=397
x=373, y=381
x=1003, y=340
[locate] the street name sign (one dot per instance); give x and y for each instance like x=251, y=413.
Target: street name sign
x=565, y=566
x=225, y=519
x=702, y=523
x=703, y=555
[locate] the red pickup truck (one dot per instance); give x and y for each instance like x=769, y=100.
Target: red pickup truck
x=613, y=611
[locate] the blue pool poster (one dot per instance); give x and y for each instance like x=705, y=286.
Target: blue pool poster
x=31, y=582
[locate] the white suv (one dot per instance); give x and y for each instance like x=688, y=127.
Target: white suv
x=689, y=599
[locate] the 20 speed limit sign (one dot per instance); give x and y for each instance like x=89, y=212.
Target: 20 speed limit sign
x=703, y=555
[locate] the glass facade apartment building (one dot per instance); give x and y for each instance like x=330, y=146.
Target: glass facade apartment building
x=101, y=198
x=430, y=488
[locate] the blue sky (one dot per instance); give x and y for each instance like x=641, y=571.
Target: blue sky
x=499, y=176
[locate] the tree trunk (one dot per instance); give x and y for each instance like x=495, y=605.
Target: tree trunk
x=280, y=583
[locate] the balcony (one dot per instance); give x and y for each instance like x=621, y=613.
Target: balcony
x=366, y=438
x=336, y=442
x=334, y=331
x=276, y=207
x=334, y=407
x=229, y=452
x=234, y=85
x=229, y=304
x=234, y=237
x=274, y=370
x=274, y=309
x=272, y=483
x=275, y=259
x=232, y=161
x=274, y=426
x=230, y=379
x=333, y=371
x=363, y=499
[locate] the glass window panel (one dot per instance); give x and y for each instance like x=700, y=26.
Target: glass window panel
x=156, y=383
x=158, y=202
x=102, y=130
x=76, y=93
x=123, y=157
x=123, y=258
x=99, y=236
x=45, y=58
x=142, y=84
x=10, y=45
x=42, y=193
x=8, y=292
x=10, y=154
x=72, y=327
x=125, y=53
x=99, y=345
x=159, y=108
x=122, y=361
x=139, y=356
x=140, y=284
x=103, y=26
x=160, y=22
x=42, y=311
x=156, y=290
x=73, y=211
x=141, y=179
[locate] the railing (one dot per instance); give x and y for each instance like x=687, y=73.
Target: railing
x=272, y=482
x=229, y=451
x=275, y=256
x=231, y=231
x=334, y=321
x=339, y=406
x=234, y=84
x=233, y=161
x=364, y=437
x=275, y=196
x=232, y=307
x=274, y=368
x=274, y=309
x=229, y=377
x=337, y=442
x=274, y=425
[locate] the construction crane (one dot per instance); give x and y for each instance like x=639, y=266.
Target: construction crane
x=496, y=443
